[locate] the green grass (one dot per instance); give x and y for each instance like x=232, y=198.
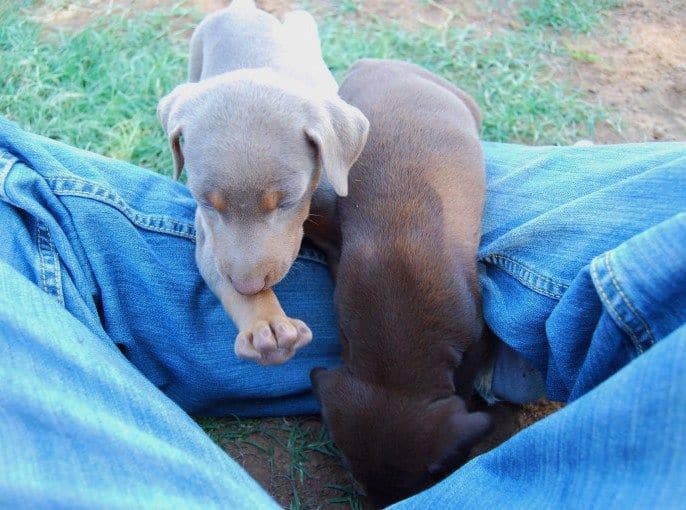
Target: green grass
x=510, y=74
x=234, y=430
x=578, y=16
x=582, y=55
x=298, y=438
x=97, y=88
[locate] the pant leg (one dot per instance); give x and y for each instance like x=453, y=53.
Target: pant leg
x=82, y=428
x=620, y=446
x=582, y=259
x=115, y=245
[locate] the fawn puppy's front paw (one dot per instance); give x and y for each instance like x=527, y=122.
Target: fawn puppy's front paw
x=272, y=340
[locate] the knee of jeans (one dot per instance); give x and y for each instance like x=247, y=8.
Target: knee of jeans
x=199, y=369
x=221, y=385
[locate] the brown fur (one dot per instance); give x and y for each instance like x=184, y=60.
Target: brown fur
x=407, y=293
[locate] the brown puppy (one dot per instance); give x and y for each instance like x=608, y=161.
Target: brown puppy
x=407, y=294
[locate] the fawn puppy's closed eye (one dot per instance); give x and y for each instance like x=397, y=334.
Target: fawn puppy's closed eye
x=404, y=243
x=256, y=128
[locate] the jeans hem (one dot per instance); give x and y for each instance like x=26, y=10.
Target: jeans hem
x=618, y=304
x=7, y=161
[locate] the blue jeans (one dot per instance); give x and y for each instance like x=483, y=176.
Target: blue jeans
x=108, y=335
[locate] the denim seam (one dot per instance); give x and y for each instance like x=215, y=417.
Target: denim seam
x=50, y=271
x=625, y=298
x=104, y=195
x=9, y=163
x=37, y=236
x=131, y=215
x=600, y=284
x=531, y=279
x=142, y=220
x=608, y=303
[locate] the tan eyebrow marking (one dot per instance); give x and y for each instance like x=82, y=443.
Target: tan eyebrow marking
x=217, y=201
x=270, y=201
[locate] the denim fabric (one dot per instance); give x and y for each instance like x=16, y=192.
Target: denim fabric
x=80, y=427
x=582, y=268
x=583, y=255
x=114, y=244
x=620, y=446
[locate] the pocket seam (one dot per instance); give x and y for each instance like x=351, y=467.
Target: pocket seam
x=526, y=276
x=103, y=195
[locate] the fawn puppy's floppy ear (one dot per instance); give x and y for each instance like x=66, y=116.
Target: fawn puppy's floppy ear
x=338, y=133
x=169, y=112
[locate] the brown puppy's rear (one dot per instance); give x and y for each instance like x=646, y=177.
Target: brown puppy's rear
x=407, y=293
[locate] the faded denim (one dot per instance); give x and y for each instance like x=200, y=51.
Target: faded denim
x=108, y=334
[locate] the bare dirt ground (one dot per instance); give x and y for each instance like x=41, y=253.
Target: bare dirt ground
x=640, y=71
x=276, y=457
x=636, y=65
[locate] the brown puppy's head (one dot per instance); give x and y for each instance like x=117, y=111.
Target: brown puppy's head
x=396, y=445
x=254, y=147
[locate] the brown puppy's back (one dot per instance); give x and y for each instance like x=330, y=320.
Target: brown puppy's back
x=416, y=126
x=411, y=221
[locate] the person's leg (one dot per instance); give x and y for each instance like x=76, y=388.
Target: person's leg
x=115, y=245
x=583, y=271
x=112, y=243
x=124, y=244
x=582, y=265
x=81, y=428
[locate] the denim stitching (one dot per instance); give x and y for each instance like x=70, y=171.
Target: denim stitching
x=104, y=195
x=531, y=279
x=9, y=160
x=58, y=269
x=132, y=216
x=41, y=264
x=627, y=301
x=600, y=286
x=145, y=221
x=49, y=262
